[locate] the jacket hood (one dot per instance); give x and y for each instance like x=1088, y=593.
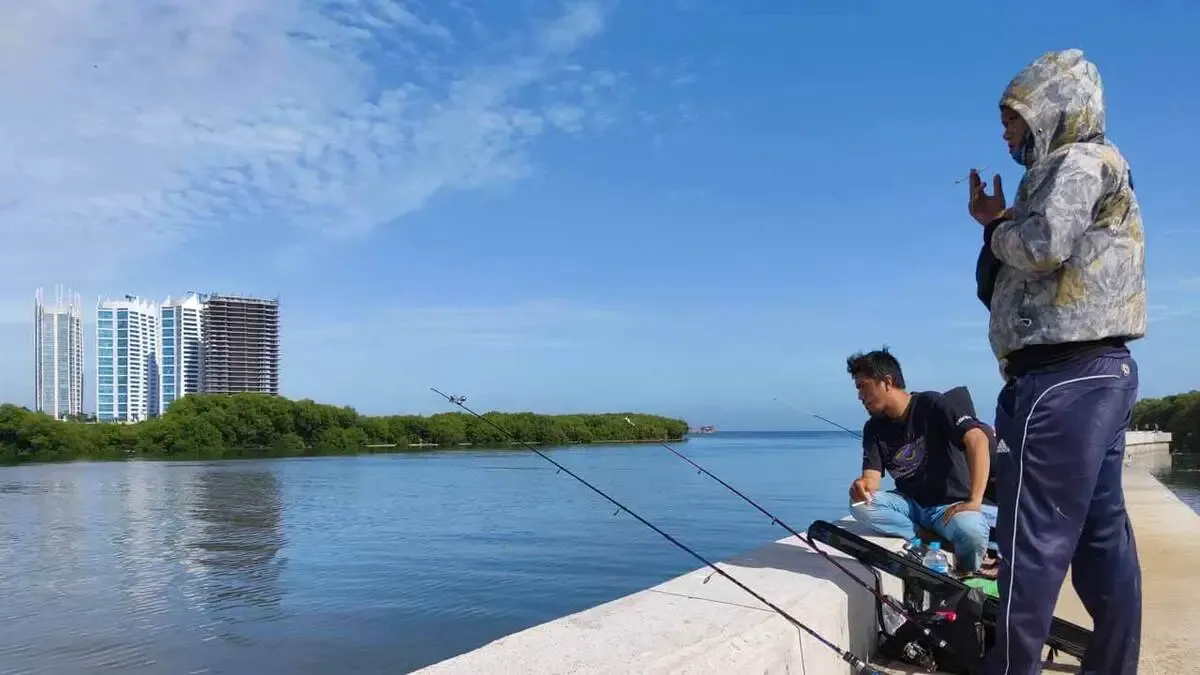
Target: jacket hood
x=1061, y=99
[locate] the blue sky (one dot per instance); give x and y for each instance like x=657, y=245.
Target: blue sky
x=680, y=206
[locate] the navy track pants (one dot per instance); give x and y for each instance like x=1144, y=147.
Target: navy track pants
x=1061, y=503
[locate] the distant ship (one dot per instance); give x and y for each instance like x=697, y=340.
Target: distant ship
x=706, y=429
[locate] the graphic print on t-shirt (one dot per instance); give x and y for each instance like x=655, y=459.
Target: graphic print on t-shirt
x=923, y=450
x=908, y=460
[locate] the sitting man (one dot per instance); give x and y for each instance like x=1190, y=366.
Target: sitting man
x=938, y=454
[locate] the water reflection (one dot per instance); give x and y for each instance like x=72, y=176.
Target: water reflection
x=147, y=512
x=75, y=587
x=232, y=551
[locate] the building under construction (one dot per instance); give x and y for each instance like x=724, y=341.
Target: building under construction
x=241, y=345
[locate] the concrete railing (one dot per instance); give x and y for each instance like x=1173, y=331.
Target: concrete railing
x=701, y=624
x=1150, y=450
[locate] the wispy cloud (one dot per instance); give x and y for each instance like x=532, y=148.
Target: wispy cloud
x=540, y=323
x=135, y=125
x=1156, y=313
x=386, y=358
x=678, y=74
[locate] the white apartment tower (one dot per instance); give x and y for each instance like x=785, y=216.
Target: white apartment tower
x=127, y=353
x=149, y=355
x=180, y=347
x=58, y=354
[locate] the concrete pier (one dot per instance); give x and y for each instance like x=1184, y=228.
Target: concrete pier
x=1150, y=450
x=1168, y=541
x=701, y=624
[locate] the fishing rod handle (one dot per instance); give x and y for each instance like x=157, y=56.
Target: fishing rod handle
x=859, y=665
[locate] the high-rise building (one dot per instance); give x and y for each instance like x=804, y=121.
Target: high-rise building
x=180, y=347
x=58, y=354
x=127, y=370
x=149, y=355
x=241, y=344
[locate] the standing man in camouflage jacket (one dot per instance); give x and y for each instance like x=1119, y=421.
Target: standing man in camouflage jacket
x=1061, y=271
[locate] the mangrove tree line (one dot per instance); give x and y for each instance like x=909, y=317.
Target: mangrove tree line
x=1177, y=413
x=248, y=425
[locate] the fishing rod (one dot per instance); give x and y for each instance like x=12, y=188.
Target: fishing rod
x=820, y=417
x=804, y=538
x=859, y=665
x=793, y=406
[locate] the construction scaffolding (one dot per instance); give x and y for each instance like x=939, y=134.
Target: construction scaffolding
x=240, y=344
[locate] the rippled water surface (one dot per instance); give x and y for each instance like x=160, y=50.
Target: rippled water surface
x=373, y=564
x=1184, y=479
x=379, y=563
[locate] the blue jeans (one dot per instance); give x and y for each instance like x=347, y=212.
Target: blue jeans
x=893, y=514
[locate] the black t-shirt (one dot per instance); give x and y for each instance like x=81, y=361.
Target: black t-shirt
x=923, y=450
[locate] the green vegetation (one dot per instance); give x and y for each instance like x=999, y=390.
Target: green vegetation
x=1177, y=413
x=214, y=426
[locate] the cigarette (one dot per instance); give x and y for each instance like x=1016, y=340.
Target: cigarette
x=859, y=503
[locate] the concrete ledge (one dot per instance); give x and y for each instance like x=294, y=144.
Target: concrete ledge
x=697, y=624
x=700, y=623
x=1150, y=450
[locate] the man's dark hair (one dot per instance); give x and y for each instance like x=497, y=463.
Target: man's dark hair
x=876, y=365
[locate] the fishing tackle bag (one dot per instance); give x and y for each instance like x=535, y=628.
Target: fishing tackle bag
x=957, y=619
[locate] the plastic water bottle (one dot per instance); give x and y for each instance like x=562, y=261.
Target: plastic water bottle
x=935, y=559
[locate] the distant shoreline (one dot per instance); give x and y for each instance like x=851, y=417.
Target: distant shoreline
x=214, y=426
x=507, y=444
x=250, y=454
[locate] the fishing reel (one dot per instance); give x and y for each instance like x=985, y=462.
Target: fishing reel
x=917, y=655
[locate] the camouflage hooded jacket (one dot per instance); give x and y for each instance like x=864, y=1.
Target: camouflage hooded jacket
x=1066, y=263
